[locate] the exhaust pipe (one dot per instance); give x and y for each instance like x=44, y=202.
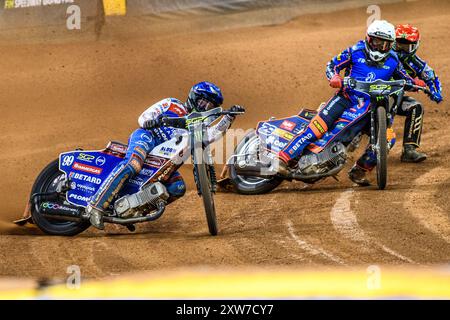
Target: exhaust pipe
x=161, y=207
x=258, y=170
x=67, y=212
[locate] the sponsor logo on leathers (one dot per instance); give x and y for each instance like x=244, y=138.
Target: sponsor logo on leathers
x=318, y=126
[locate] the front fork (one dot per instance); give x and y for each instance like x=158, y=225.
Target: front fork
x=200, y=151
x=374, y=126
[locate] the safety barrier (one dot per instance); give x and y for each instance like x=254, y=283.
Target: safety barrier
x=355, y=283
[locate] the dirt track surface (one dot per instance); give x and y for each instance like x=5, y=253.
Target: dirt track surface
x=56, y=97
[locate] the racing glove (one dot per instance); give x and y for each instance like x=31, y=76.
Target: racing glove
x=237, y=108
x=336, y=81
x=419, y=82
x=436, y=97
x=151, y=123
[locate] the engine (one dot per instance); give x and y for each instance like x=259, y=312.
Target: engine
x=149, y=195
x=324, y=161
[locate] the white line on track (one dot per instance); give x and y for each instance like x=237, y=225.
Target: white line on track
x=312, y=250
x=346, y=223
x=420, y=203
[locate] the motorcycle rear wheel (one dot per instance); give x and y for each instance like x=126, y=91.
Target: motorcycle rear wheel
x=46, y=182
x=250, y=185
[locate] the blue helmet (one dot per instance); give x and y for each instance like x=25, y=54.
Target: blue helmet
x=204, y=96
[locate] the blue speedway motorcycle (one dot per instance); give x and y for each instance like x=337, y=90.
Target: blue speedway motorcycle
x=62, y=190
x=253, y=167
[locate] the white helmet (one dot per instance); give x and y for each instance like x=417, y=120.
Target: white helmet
x=379, y=40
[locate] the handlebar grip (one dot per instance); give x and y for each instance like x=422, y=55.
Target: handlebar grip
x=232, y=113
x=173, y=122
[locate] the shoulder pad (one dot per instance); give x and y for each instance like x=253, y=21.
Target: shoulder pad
x=174, y=100
x=164, y=102
x=360, y=45
x=393, y=54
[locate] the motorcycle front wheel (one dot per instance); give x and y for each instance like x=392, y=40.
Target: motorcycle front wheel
x=381, y=148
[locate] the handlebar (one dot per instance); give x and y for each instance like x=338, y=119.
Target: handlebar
x=419, y=88
x=173, y=122
x=183, y=121
x=231, y=113
x=353, y=83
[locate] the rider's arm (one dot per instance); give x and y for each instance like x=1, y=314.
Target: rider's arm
x=427, y=74
x=168, y=107
x=216, y=131
x=152, y=113
x=338, y=63
x=400, y=73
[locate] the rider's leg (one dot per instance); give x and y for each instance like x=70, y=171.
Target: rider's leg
x=140, y=143
x=175, y=186
x=368, y=161
x=413, y=111
x=316, y=129
x=364, y=164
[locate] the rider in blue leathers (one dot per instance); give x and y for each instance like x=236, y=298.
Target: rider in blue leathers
x=202, y=97
x=367, y=60
x=406, y=46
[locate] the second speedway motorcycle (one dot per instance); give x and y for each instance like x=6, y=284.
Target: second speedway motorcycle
x=253, y=167
x=63, y=189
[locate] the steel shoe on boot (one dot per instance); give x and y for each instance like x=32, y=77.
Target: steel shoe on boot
x=410, y=154
x=95, y=217
x=358, y=176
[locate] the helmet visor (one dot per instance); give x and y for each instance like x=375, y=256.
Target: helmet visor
x=380, y=45
x=204, y=105
x=406, y=46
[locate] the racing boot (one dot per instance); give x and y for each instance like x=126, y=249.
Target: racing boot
x=410, y=154
x=358, y=176
x=95, y=217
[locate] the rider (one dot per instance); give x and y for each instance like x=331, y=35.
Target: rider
x=406, y=46
x=202, y=97
x=368, y=60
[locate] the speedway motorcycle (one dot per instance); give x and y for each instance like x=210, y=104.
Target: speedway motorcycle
x=63, y=189
x=253, y=169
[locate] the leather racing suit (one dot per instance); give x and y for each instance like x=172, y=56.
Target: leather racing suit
x=346, y=107
x=141, y=142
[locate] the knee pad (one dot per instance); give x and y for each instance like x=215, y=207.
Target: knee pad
x=318, y=126
x=409, y=104
x=176, y=189
x=135, y=164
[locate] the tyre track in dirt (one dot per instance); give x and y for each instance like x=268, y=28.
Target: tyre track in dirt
x=344, y=220
x=394, y=218
x=420, y=202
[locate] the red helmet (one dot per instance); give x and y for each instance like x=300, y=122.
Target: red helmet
x=407, y=39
